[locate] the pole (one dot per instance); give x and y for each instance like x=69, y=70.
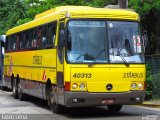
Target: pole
x=123, y=4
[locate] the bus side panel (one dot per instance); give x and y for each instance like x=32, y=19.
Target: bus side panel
x=34, y=69
x=7, y=71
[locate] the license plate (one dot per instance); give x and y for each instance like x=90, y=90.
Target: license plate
x=108, y=101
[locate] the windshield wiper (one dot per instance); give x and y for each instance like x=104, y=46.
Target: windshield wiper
x=122, y=57
x=119, y=51
x=90, y=64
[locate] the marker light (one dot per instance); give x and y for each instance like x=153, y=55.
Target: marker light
x=133, y=85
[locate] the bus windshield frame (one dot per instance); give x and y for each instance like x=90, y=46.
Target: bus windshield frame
x=109, y=43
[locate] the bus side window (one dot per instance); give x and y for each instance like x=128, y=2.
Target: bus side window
x=13, y=42
x=20, y=40
x=39, y=41
x=51, y=34
x=30, y=38
x=25, y=40
x=34, y=39
x=17, y=42
x=44, y=36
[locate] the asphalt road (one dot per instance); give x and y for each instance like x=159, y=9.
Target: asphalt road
x=36, y=109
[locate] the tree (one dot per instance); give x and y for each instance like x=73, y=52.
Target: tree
x=10, y=12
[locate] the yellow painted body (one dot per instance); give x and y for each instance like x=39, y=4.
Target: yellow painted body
x=23, y=63
x=115, y=74
x=29, y=67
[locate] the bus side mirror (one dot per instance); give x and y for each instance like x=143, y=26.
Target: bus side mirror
x=145, y=36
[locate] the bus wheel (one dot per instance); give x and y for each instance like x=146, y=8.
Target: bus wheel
x=15, y=89
x=114, y=108
x=55, y=107
x=21, y=95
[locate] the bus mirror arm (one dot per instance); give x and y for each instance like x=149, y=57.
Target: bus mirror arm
x=145, y=36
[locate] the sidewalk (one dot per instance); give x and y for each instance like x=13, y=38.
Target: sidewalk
x=152, y=103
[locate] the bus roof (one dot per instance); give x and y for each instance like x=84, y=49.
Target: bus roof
x=76, y=12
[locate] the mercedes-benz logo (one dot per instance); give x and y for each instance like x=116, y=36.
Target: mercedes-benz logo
x=109, y=87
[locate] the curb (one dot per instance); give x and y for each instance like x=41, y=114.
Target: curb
x=150, y=104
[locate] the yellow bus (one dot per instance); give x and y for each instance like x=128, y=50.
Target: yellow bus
x=76, y=56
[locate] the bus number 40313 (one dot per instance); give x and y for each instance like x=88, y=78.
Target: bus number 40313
x=82, y=75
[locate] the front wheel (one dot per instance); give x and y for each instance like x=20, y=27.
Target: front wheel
x=114, y=108
x=55, y=107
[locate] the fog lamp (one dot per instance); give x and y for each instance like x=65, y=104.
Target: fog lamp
x=133, y=85
x=82, y=86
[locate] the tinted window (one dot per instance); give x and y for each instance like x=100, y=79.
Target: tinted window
x=51, y=34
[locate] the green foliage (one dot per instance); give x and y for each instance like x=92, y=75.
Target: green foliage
x=149, y=84
x=10, y=12
x=156, y=86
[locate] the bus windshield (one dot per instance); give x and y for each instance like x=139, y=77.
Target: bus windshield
x=104, y=41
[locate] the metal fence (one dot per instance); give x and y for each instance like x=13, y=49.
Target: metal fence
x=153, y=74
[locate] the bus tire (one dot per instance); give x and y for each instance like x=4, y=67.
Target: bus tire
x=56, y=108
x=114, y=108
x=15, y=89
x=21, y=95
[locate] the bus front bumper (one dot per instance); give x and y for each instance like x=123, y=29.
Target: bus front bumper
x=81, y=99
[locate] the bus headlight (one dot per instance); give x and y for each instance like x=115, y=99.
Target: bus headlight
x=137, y=85
x=82, y=86
x=140, y=85
x=74, y=86
x=133, y=85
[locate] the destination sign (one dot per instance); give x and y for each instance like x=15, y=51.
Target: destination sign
x=87, y=23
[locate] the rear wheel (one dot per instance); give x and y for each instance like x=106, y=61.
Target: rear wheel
x=15, y=89
x=114, y=108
